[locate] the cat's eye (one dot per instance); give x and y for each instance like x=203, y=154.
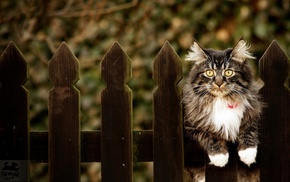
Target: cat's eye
x=228, y=73
x=209, y=73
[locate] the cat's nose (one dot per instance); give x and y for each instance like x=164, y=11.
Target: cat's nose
x=219, y=81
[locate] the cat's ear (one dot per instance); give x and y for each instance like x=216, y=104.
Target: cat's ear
x=196, y=53
x=240, y=52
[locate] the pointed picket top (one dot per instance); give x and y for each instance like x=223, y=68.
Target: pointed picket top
x=63, y=67
x=274, y=125
x=14, y=132
x=13, y=63
x=167, y=66
x=274, y=65
x=116, y=66
x=167, y=114
x=13, y=74
x=116, y=109
x=63, y=117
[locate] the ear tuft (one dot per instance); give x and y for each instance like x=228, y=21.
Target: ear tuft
x=240, y=52
x=196, y=54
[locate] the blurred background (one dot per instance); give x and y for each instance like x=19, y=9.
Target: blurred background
x=90, y=27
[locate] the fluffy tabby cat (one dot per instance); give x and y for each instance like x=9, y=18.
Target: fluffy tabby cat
x=222, y=103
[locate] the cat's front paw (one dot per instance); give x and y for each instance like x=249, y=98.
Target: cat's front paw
x=219, y=160
x=248, y=155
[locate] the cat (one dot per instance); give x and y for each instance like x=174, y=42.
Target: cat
x=222, y=103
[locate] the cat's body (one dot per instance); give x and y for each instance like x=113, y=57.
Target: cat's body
x=222, y=103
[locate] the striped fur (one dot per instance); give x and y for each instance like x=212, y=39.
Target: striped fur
x=221, y=101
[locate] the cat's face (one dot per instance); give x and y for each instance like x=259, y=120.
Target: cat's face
x=220, y=73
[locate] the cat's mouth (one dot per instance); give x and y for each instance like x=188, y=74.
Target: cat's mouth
x=219, y=89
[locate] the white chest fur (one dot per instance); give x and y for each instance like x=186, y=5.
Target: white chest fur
x=226, y=117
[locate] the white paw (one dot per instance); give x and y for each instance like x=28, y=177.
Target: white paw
x=219, y=160
x=248, y=156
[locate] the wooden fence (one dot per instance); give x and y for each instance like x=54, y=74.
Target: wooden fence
x=64, y=147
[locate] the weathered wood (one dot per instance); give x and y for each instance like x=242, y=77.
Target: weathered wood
x=274, y=148
x=224, y=174
x=193, y=153
x=14, y=125
x=39, y=146
x=167, y=114
x=143, y=146
x=116, y=106
x=117, y=146
x=63, y=115
x=91, y=147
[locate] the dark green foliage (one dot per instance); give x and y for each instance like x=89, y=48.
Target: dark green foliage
x=141, y=27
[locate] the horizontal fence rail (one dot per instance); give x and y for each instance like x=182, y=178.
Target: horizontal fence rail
x=116, y=145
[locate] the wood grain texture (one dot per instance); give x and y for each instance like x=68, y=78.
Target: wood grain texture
x=91, y=147
x=63, y=115
x=224, y=174
x=274, y=148
x=116, y=109
x=14, y=127
x=167, y=114
x=64, y=146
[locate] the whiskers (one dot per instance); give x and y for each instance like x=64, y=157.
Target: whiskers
x=200, y=90
x=196, y=91
x=243, y=95
x=235, y=92
x=197, y=99
x=196, y=94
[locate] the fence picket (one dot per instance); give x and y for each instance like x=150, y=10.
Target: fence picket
x=116, y=106
x=116, y=146
x=275, y=129
x=14, y=127
x=167, y=113
x=63, y=115
x=224, y=174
